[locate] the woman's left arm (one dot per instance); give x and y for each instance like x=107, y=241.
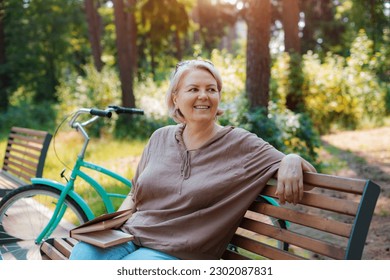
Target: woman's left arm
x=290, y=178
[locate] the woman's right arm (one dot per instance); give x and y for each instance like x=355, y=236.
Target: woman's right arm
x=128, y=203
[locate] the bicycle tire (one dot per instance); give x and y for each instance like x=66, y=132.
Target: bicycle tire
x=24, y=213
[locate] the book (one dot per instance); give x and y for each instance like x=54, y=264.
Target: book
x=104, y=238
x=103, y=230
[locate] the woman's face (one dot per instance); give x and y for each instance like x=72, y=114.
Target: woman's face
x=197, y=96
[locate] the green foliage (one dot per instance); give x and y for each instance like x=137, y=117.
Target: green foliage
x=139, y=127
x=94, y=89
x=231, y=68
x=285, y=130
x=42, y=37
x=363, y=14
x=29, y=115
x=101, y=89
x=338, y=92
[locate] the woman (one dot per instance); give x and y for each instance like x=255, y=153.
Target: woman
x=195, y=180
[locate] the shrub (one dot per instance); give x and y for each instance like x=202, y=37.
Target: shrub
x=287, y=131
x=343, y=91
x=25, y=114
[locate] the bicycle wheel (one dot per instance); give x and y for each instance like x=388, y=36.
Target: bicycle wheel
x=25, y=212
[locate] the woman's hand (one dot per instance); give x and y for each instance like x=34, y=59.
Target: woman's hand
x=290, y=178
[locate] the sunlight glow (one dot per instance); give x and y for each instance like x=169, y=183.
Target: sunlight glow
x=232, y=2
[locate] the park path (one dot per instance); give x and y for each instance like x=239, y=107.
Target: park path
x=366, y=154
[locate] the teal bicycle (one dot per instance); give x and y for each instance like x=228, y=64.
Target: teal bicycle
x=33, y=213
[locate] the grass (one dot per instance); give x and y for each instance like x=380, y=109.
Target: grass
x=119, y=156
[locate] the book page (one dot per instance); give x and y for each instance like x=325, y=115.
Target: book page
x=105, y=238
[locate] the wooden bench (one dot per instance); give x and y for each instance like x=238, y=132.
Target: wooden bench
x=331, y=222
x=24, y=157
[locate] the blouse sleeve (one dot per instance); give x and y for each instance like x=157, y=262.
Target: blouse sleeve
x=141, y=166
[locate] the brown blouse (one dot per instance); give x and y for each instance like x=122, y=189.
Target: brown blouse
x=190, y=202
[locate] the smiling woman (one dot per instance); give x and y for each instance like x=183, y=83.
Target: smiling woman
x=195, y=180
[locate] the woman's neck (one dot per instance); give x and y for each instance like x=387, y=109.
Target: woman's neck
x=194, y=136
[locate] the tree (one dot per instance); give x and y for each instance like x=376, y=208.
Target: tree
x=126, y=42
x=44, y=38
x=162, y=31
x=290, y=19
x=4, y=79
x=94, y=31
x=321, y=33
x=213, y=18
x=258, y=60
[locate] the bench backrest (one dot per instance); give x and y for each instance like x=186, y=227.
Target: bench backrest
x=25, y=153
x=331, y=222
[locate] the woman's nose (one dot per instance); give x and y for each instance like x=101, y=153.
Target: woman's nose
x=203, y=94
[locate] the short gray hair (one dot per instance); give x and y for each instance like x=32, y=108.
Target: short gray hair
x=176, y=76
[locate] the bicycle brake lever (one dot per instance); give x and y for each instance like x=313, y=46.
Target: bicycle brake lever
x=63, y=176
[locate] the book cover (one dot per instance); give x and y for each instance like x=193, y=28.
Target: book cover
x=102, y=231
x=105, y=221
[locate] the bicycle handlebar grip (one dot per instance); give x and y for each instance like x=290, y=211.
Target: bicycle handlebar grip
x=124, y=110
x=100, y=113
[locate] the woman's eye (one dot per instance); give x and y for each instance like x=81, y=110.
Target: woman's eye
x=212, y=90
x=193, y=90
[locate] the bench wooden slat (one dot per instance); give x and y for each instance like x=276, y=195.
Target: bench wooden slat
x=311, y=244
x=321, y=201
x=21, y=161
x=29, y=131
x=57, y=248
x=349, y=185
x=305, y=219
x=52, y=252
x=25, y=138
x=21, y=171
x=262, y=249
x=63, y=246
x=25, y=153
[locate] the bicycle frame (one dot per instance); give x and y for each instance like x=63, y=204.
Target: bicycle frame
x=68, y=188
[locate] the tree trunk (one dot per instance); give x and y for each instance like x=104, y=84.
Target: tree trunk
x=4, y=79
x=94, y=30
x=258, y=60
x=132, y=31
x=195, y=17
x=290, y=18
x=125, y=53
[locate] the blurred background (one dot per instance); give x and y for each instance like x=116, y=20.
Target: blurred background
x=308, y=76
x=291, y=68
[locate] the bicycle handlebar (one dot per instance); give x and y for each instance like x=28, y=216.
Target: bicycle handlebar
x=100, y=113
x=96, y=113
x=124, y=110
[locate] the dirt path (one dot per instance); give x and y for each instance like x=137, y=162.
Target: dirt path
x=366, y=154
